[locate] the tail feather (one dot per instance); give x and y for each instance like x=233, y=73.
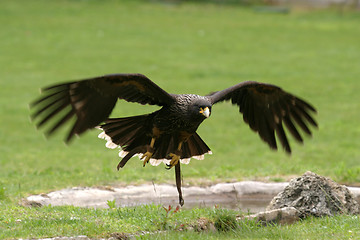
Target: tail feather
x=195, y=147
x=125, y=136
x=120, y=129
x=162, y=147
x=126, y=132
x=133, y=134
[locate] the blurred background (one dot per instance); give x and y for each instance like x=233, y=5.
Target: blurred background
x=309, y=48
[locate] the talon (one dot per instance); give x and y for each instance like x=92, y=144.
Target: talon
x=146, y=156
x=175, y=159
x=149, y=152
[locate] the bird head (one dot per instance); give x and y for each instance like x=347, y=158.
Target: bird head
x=202, y=108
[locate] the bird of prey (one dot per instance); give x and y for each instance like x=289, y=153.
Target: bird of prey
x=169, y=134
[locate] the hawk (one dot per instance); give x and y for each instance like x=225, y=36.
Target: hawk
x=167, y=135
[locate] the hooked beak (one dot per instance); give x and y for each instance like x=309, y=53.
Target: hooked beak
x=205, y=112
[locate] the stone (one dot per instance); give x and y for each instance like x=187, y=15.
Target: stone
x=119, y=236
x=314, y=195
x=203, y=224
x=286, y=215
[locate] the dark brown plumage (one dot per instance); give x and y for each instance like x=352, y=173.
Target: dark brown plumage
x=169, y=134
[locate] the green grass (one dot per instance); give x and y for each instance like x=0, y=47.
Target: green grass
x=186, y=48
x=152, y=222
x=325, y=228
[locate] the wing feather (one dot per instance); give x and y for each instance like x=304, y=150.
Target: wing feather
x=280, y=133
x=92, y=100
x=267, y=109
x=299, y=120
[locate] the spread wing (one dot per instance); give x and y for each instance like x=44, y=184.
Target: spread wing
x=92, y=100
x=266, y=108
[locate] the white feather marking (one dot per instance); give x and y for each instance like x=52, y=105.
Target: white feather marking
x=201, y=157
x=109, y=142
x=155, y=162
x=123, y=153
x=102, y=135
x=111, y=145
x=185, y=160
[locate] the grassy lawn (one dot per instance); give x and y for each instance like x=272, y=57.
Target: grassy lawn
x=186, y=48
x=152, y=222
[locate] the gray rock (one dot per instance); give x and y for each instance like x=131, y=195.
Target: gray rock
x=286, y=215
x=315, y=195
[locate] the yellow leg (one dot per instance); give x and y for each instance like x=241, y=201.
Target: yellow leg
x=175, y=157
x=146, y=156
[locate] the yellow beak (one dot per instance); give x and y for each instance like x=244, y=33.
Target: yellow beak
x=205, y=112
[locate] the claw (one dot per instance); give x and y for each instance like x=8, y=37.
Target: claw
x=146, y=156
x=175, y=159
x=150, y=151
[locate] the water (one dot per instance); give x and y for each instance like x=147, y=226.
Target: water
x=247, y=203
